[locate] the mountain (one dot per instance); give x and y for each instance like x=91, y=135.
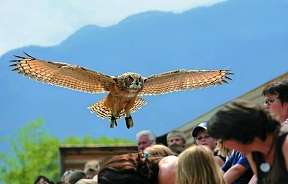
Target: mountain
x=247, y=37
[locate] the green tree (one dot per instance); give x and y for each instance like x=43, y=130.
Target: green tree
x=34, y=153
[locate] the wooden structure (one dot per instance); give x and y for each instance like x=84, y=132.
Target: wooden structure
x=75, y=157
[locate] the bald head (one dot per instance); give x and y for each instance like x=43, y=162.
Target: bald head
x=167, y=170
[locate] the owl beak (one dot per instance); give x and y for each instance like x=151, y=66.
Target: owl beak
x=135, y=85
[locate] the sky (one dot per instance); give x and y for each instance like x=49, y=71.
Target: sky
x=48, y=22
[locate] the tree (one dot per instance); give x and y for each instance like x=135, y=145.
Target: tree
x=36, y=153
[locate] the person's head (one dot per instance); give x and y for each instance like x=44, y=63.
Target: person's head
x=130, y=169
x=158, y=150
x=42, y=180
x=241, y=123
x=167, y=170
x=144, y=139
x=72, y=176
x=276, y=99
x=91, y=168
x=196, y=165
x=176, y=141
x=201, y=136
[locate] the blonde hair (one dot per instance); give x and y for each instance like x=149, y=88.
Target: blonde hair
x=159, y=150
x=196, y=165
x=222, y=150
x=176, y=133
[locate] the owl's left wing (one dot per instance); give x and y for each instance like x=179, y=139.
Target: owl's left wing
x=180, y=80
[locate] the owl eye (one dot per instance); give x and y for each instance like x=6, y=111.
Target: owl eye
x=130, y=79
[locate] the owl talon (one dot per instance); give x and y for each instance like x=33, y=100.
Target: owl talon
x=129, y=122
x=113, y=122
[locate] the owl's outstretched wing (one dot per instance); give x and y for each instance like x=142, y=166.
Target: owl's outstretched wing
x=180, y=80
x=63, y=75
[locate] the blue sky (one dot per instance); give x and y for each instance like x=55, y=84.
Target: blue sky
x=48, y=22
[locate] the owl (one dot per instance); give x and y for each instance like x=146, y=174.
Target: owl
x=124, y=91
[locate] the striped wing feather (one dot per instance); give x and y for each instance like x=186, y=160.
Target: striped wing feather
x=181, y=80
x=63, y=75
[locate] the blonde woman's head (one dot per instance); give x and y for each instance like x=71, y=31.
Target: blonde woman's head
x=158, y=150
x=196, y=165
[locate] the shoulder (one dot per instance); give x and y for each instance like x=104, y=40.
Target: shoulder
x=242, y=160
x=239, y=157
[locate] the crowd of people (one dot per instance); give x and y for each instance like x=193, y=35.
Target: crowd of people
x=241, y=143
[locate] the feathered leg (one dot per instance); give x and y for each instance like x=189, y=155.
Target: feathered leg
x=113, y=122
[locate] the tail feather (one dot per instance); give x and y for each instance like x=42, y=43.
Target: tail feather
x=101, y=109
x=139, y=102
x=105, y=112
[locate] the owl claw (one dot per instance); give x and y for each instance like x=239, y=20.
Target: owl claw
x=113, y=122
x=129, y=122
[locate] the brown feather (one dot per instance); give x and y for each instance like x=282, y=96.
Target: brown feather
x=180, y=80
x=64, y=75
x=104, y=111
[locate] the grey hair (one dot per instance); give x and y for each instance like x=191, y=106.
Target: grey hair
x=148, y=133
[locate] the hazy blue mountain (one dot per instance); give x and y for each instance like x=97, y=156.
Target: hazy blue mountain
x=248, y=37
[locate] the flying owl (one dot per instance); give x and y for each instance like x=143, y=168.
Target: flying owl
x=124, y=91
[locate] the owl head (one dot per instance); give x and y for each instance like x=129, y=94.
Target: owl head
x=131, y=81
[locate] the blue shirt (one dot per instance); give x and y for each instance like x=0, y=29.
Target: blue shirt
x=237, y=158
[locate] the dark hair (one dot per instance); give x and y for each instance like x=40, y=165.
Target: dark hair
x=72, y=176
x=44, y=178
x=242, y=122
x=280, y=89
x=132, y=168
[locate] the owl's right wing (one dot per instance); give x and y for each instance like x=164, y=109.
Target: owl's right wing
x=63, y=75
x=181, y=80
